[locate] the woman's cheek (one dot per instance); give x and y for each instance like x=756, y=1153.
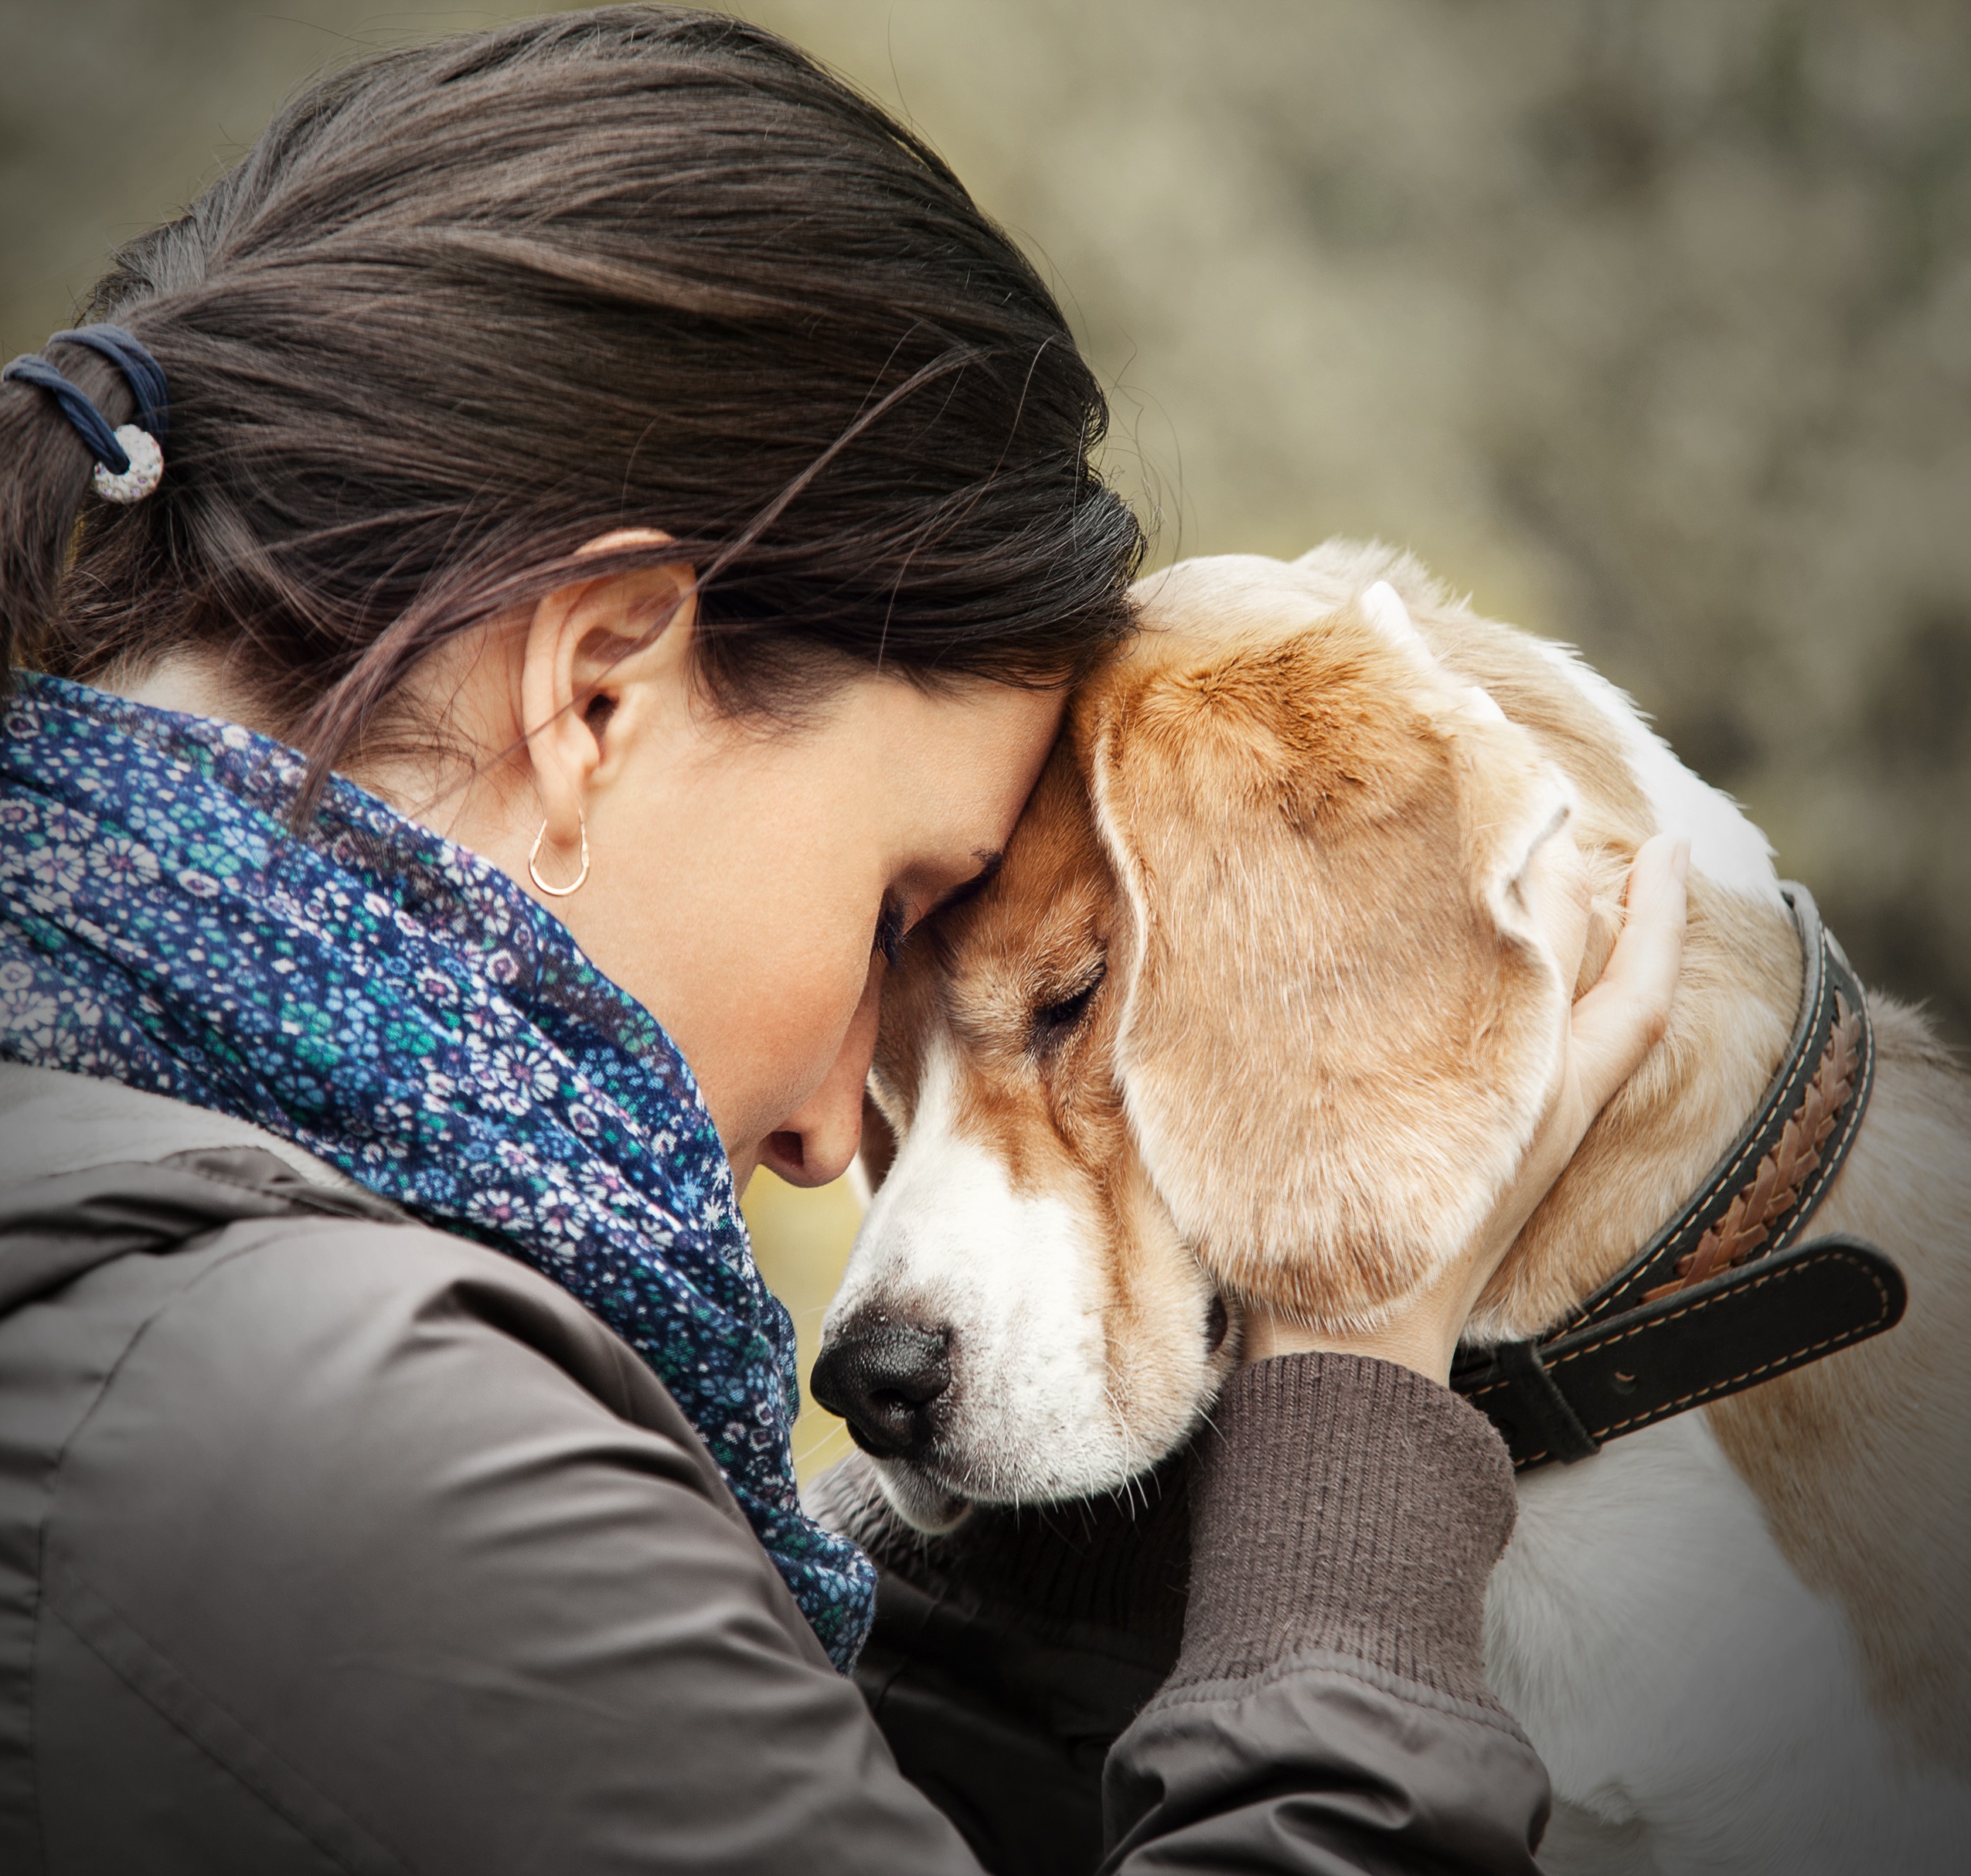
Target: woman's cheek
x=811, y=1018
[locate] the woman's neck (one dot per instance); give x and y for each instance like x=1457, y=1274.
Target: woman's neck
x=193, y=682
x=197, y=683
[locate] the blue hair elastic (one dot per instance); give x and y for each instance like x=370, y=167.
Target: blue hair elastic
x=129, y=460
x=145, y=374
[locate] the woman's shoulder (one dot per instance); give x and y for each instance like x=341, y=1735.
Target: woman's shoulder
x=167, y=1270
x=266, y=1269
x=383, y=1523
x=53, y=1122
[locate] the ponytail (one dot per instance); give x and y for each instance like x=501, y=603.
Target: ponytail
x=49, y=480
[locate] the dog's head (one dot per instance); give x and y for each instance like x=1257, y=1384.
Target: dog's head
x=1255, y=1011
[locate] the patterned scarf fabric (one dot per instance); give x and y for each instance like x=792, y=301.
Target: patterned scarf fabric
x=403, y=1010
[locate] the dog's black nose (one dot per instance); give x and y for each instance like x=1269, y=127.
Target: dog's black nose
x=884, y=1378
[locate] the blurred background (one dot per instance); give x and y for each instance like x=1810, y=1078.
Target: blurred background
x=1648, y=322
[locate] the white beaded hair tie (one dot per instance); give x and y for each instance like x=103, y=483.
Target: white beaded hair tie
x=145, y=471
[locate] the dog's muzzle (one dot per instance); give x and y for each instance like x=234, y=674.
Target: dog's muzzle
x=888, y=1380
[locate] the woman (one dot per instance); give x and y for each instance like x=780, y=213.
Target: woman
x=541, y=577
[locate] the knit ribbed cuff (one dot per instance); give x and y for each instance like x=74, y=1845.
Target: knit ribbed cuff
x=1348, y=1505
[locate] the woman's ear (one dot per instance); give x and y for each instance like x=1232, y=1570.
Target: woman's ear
x=1340, y=1023
x=596, y=652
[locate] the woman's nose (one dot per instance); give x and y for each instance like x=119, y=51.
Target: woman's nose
x=817, y=1140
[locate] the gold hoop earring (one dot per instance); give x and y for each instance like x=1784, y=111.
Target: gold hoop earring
x=581, y=878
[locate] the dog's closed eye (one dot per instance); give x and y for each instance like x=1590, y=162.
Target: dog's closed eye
x=1054, y=1022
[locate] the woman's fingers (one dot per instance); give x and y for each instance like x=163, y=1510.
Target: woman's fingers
x=1618, y=1022
x=1612, y=1027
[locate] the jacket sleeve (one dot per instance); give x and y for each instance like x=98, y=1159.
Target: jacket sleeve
x=1328, y=1711
x=1321, y=1706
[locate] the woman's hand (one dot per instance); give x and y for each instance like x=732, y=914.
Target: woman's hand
x=1615, y=1022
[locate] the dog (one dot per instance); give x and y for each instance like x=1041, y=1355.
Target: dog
x=1250, y=1012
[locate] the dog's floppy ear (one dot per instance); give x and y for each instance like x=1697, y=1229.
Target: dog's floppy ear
x=1340, y=1022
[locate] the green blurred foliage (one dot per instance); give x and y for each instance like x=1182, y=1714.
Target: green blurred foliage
x=1648, y=321
x=801, y=1239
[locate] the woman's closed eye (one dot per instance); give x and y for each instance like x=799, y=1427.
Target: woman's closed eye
x=893, y=923
x=892, y=927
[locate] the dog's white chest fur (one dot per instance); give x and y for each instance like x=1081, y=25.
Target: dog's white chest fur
x=1668, y=1664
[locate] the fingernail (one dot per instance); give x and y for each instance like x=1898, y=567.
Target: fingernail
x=1680, y=860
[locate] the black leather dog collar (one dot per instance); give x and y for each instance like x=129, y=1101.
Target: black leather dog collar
x=1724, y=1297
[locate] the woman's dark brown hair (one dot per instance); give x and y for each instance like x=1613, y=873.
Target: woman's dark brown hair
x=464, y=306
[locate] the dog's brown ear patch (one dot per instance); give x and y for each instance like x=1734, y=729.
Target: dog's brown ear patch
x=1339, y=1024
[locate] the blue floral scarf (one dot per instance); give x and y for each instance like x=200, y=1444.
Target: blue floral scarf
x=403, y=1010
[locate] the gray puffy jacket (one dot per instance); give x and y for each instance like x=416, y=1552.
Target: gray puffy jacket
x=329, y=1542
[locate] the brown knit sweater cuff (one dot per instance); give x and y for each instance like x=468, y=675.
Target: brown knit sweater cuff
x=1346, y=1505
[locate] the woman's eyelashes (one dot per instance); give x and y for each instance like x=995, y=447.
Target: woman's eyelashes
x=891, y=929
x=893, y=923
